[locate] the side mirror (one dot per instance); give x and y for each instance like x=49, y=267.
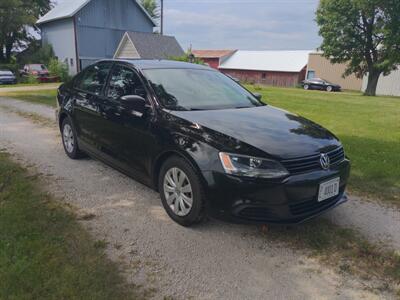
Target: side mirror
x=258, y=96
x=135, y=105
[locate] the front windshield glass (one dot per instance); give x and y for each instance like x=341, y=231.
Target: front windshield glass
x=193, y=89
x=37, y=67
x=6, y=73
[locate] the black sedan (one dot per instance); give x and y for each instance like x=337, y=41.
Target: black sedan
x=209, y=146
x=320, y=84
x=7, y=77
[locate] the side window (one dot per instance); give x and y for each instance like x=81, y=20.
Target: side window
x=123, y=82
x=94, y=78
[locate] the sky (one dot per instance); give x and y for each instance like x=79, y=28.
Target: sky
x=243, y=24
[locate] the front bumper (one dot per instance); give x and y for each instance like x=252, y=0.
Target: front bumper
x=292, y=200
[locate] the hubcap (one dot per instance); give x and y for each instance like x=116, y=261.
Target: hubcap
x=306, y=87
x=178, y=192
x=68, y=137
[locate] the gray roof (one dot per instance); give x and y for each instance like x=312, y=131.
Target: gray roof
x=155, y=46
x=69, y=8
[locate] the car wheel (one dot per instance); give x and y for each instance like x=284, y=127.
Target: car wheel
x=329, y=88
x=306, y=87
x=182, y=192
x=69, y=140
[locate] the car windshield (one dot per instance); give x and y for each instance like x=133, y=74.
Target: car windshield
x=7, y=73
x=37, y=67
x=194, y=89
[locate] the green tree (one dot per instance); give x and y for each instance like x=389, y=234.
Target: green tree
x=363, y=33
x=151, y=7
x=17, y=18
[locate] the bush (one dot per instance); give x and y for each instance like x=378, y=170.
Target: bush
x=36, y=54
x=59, y=69
x=31, y=79
x=186, y=58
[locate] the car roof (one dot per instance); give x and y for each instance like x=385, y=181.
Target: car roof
x=145, y=64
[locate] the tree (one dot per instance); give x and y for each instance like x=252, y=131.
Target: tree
x=151, y=7
x=17, y=17
x=365, y=34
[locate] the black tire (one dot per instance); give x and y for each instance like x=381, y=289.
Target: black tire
x=197, y=212
x=74, y=152
x=306, y=87
x=329, y=88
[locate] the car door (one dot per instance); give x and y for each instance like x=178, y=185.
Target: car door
x=88, y=88
x=127, y=135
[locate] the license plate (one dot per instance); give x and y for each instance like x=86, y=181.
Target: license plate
x=328, y=189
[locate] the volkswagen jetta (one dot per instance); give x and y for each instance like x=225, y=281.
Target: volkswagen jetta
x=208, y=145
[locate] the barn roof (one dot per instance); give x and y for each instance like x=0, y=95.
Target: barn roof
x=69, y=8
x=151, y=45
x=280, y=61
x=212, y=53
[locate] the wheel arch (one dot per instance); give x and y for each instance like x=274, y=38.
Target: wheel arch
x=163, y=157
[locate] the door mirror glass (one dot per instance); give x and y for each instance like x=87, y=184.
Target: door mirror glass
x=135, y=105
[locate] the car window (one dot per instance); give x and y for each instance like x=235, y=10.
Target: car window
x=123, y=82
x=37, y=67
x=94, y=78
x=198, y=89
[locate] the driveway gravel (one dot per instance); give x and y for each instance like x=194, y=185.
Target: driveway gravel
x=212, y=261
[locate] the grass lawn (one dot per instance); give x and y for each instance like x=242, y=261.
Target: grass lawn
x=369, y=128
x=47, y=97
x=44, y=252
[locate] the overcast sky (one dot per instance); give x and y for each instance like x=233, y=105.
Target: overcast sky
x=243, y=24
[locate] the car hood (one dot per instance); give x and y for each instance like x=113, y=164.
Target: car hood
x=275, y=132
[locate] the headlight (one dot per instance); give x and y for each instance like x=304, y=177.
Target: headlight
x=248, y=166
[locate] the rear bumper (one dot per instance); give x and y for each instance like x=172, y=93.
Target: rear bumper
x=290, y=201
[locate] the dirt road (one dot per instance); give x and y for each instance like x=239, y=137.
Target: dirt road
x=213, y=261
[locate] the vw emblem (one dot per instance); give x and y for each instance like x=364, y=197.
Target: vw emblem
x=325, y=161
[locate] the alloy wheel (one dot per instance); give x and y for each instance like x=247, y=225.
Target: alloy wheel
x=68, y=138
x=178, y=192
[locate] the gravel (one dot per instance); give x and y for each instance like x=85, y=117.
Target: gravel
x=213, y=261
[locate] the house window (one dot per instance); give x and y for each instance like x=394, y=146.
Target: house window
x=311, y=74
x=264, y=75
x=72, y=62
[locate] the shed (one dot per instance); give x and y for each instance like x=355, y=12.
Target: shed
x=276, y=68
x=320, y=67
x=214, y=58
x=142, y=45
x=84, y=31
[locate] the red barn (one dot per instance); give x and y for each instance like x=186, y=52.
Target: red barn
x=276, y=68
x=213, y=57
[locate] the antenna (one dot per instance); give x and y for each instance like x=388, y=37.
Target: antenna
x=162, y=17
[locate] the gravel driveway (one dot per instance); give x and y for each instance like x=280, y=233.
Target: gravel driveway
x=213, y=261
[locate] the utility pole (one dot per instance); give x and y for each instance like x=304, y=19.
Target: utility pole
x=162, y=18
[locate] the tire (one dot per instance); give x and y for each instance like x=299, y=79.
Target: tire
x=306, y=87
x=329, y=88
x=175, y=200
x=69, y=140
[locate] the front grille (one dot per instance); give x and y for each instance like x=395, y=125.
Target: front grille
x=255, y=213
x=312, y=163
x=311, y=206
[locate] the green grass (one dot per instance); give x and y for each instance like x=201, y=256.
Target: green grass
x=44, y=252
x=369, y=128
x=46, y=97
